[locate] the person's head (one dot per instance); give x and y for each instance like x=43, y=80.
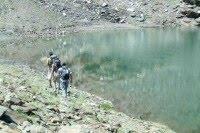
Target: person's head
x=64, y=64
x=50, y=53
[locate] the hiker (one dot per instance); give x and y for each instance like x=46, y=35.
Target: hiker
x=65, y=78
x=54, y=64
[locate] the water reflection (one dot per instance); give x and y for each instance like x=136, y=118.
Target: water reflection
x=151, y=73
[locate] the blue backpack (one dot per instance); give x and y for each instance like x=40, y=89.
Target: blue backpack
x=65, y=74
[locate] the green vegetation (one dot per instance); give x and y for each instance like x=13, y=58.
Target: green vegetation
x=106, y=106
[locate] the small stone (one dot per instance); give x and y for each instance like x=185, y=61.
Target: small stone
x=179, y=15
x=141, y=18
x=34, y=97
x=145, y=3
x=64, y=14
x=22, y=88
x=191, y=6
x=25, y=124
x=85, y=20
x=187, y=20
x=77, y=118
x=27, y=109
x=70, y=129
x=64, y=43
x=176, y=6
x=1, y=81
x=104, y=4
x=1, y=100
x=197, y=20
x=53, y=108
x=36, y=129
x=88, y=1
x=131, y=10
x=117, y=19
x=56, y=120
x=16, y=101
x=133, y=15
x=69, y=116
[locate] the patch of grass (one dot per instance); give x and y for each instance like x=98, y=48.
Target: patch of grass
x=25, y=96
x=21, y=113
x=106, y=106
x=91, y=67
x=37, y=104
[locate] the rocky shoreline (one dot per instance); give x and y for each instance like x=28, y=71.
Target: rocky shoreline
x=28, y=105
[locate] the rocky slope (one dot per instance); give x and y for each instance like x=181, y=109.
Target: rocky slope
x=189, y=12
x=28, y=105
x=53, y=17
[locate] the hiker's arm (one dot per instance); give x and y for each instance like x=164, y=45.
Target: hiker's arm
x=59, y=72
x=52, y=70
x=70, y=78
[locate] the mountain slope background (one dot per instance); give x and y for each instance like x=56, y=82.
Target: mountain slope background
x=55, y=16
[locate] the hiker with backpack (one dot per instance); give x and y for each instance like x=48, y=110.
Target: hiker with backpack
x=54, y=64
x=65, y=78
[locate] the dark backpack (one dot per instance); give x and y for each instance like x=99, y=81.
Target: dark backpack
x=65, y=74
x=55, y=61
x=57, y=64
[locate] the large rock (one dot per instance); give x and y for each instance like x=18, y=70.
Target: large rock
x=1, y=100
x=27, y=109
x=55, y=119
x=191, y=13
x=1, y=81
x=4, y=128
x=70, y=129
x=75, y=129
x=15, y=101
x=35, y=129
x=2, y=110
x=194, y=2
x=104, y=4
x=198, y=20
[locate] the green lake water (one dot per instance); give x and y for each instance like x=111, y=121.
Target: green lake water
x=152, y=74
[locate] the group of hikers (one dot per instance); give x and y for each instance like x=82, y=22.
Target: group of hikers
x=59, y=73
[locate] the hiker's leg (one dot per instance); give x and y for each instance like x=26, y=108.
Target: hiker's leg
x=55, y=87
x=64, y=86
x=54, y=83
x=54, y=78
x=50, y=80
x=49, y=77
x=59, y=85
x=50, y=83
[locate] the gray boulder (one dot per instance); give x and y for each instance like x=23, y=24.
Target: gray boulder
x=193, y=2
x=15, y=101
x=2, y=110
x=35, y=129
x=197, y=20
x=25, y=109
x=75, y=129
